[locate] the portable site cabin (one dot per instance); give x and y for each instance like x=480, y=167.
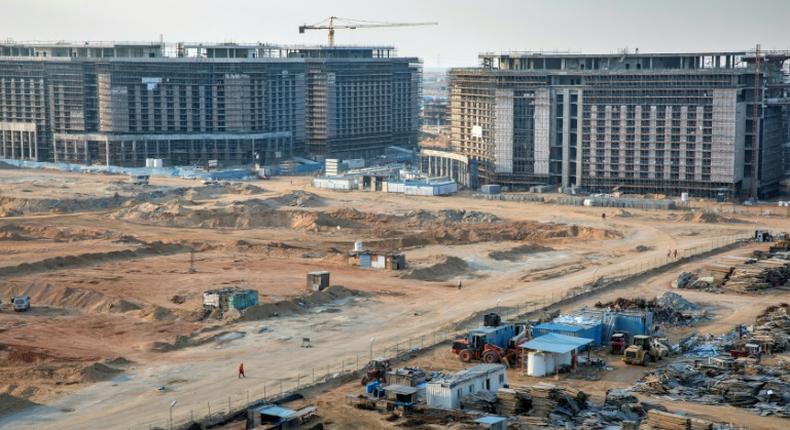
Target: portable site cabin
x=318, y=281
x=446, y=393
x=338, y=183
x=602, y=323
x=548, y=353
x=230, y=298
x=378, y=260
x=430, y=188
x=583, y=330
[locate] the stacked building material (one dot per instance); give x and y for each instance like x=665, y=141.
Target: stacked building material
x=512, y=402
x=762, y=274
x=668, y=421
x=772, y=328
x=483, y=401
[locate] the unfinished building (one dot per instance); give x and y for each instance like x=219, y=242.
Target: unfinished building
x=119, y=104
x=635, y=122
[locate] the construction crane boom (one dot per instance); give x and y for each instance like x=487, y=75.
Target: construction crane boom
x=333, y=23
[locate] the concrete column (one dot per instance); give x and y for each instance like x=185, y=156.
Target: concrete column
x=566, y=123
x=107, y=151
x=579, y=128
x=2, y=144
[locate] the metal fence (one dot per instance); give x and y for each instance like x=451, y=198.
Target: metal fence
x=222, y=408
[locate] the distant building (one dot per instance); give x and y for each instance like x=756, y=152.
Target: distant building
x=119, y=104
x=662, y=123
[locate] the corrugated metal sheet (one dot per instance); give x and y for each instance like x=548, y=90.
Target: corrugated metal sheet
x=592, y=331
x=364, y=260
x=245, y=299
x=558, y=343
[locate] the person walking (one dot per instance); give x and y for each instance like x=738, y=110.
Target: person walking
x=459, y=284
x=676, y=253
x=241, y=371
x=669, y=253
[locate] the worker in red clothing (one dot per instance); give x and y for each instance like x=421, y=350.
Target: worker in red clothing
x=241, y=371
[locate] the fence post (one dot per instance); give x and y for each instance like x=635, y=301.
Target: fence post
x=228, y=404
x=209, y=410
x=298, y=379
x=314, y=369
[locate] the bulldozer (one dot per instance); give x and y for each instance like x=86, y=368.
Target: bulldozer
x=645, y=349
x=782, y=243
x=495, y=342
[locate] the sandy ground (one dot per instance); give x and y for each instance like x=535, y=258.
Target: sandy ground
x=118, y=301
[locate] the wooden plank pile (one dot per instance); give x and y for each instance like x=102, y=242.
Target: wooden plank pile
x=772, y=328
x=512, y=401
x=667, y=421
x=760, y=275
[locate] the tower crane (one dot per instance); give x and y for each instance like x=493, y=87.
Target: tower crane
x=333, y=23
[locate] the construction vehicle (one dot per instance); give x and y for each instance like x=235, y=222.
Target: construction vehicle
x=645, y=349
x=782, y=244
x=334, y=23
x=493, y=343
x=376, y=370
x=752, y=350
x=618, y=342
x=21, y=303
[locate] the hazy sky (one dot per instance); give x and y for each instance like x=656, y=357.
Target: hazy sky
x=465, y=27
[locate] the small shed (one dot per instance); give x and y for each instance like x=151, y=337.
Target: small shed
x=272, y=416
x=491, y=422
x=408, y=376
x=550, y=352
x=401, y=395
x=446, y=393
x=318, y=281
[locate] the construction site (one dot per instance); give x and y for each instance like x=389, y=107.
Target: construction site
x=143, y=305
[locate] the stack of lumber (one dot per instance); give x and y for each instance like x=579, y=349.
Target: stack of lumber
x=759, y=275
x=512, y=402
x=772, y=328
x=542, y=396
x=667, y=421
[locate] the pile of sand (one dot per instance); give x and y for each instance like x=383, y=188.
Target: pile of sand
x=298, y=198
x=622, y=213
x=10, y=404
x=299, y=304
x=705, y=217
x=440, y=268
x=515, y=254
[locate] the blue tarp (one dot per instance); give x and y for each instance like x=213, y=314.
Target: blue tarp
x=557, y=343
x=490, y=420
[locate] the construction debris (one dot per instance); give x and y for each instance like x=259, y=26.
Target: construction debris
x=670, y=308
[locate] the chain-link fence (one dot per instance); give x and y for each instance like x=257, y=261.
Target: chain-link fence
x=223, y=408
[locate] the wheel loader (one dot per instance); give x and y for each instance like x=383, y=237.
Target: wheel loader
x=645, y=349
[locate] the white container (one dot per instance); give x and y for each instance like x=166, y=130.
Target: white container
x=550, y=363
x=684, y=197
x=378, y=262
x=359, y=246
x=566, y=359
x=536, y=364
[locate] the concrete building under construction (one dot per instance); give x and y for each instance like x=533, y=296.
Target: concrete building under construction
x=634, y=122
x=121, y=103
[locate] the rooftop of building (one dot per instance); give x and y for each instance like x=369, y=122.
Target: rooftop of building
x=553, y=61
x=194, y=50
x=470, y=373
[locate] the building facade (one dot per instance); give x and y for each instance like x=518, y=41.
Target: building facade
x=118, y=104
x=658, y=123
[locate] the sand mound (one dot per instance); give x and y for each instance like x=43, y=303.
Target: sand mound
x=622, y=213
x=644, y=248
x=16, y=206
x=298, y=198
x=705, y=217
x=440, y=268
x=98, y=372
x=300, y=304
x=10, y=404
x=515, y=254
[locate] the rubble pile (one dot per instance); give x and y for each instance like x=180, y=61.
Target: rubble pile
x=483, y=401
x=740, y=383
x=669, y=308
